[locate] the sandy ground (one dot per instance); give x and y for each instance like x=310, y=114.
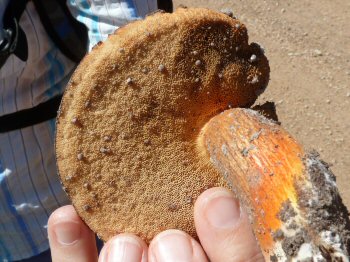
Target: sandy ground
x=308, y=46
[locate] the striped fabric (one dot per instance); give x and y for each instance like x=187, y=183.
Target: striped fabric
x=29, y=186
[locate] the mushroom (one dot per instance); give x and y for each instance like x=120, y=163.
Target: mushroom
x=291, y=195
x=158, y=162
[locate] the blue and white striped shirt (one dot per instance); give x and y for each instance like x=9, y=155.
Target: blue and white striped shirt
x=29, y=186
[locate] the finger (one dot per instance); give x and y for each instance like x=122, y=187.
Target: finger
x=175, y=246
x=70, y=239
x=223, y=228
x=124, y=248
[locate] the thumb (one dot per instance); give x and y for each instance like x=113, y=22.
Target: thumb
x=223, y=228
x=70, y=239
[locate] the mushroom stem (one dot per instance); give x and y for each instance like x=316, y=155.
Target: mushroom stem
x=291, y=196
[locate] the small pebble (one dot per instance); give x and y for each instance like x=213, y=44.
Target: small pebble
x=197, y=80
x=87, y=207
x=129, y=80
x=317, y=52
x=195, y=52
x=220, y=75
x=278, y=235
x=227, y=12
x=237, y=26
x=255, y=80
x=212, y=44
x=189, y=200
x=80, y=156
x=121, y=50
x=74, y=120
x=107, y=138
x=147, y=142
x=104, y=150
x=144, y=70
x=173, y=207
x=253, y=58
x=161, y=68
x=198, y=63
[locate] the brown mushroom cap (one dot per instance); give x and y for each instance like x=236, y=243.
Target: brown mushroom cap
x=128, y=123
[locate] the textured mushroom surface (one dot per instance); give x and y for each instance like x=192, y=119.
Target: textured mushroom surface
x=127, y=126
x=295, y=208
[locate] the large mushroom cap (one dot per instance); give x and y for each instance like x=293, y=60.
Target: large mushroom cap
x=128, y=123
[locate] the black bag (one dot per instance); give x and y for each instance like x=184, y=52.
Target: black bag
x=69, y=35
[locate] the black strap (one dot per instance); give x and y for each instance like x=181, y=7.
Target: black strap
x=29, y=117
x=71, y=38
x=15, y=40
x=69, y=35
x=166, y=5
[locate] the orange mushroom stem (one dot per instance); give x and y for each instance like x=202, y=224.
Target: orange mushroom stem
x=290, y=195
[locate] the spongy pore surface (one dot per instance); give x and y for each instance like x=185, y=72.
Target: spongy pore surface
x=130, y=116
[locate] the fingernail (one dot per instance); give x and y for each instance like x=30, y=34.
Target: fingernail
x=67, y=232
x=172, y=245
x=222, y=210
x=124, y=248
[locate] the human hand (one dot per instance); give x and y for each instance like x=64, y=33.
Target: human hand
x=223, y=229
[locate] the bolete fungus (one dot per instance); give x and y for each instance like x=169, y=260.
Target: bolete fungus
x=141, y=139
x=152, y=119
